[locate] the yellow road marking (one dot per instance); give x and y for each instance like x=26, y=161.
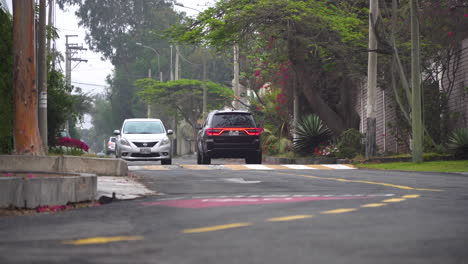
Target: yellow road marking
x=102, y=240
x=320, y=167
x=215, y=228
x=339, y=211
x=366, y=182
x=154, y=167
x=235, y=167
x=195, y=167
x=374, y=205
x=289, y=218
x=411, y=196
x=277, y=167
x=394, y=200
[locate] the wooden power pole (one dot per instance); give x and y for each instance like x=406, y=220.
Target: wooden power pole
x=27, y=137
x=371, y=81
x=416, y=109
x=42, y=76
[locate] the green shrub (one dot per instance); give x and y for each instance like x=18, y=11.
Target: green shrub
x=311, y=131
x=458, y=143
x=6, y=83
x=350, y=144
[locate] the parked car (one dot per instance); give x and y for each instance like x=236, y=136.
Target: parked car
x=110, y=148
x=229, y=134
x=144, y=139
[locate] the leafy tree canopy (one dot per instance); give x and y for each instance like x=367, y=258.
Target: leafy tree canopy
x=320, y=40
x=185, y=95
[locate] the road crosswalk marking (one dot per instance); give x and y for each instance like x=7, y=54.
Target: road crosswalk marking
x=245, y=167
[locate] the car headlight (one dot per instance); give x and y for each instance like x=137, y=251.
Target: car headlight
x=165, y=141
x=124, y=142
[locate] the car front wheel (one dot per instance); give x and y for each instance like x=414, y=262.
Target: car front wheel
x=166, y=162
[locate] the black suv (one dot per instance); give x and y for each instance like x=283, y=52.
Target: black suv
x=229, y=134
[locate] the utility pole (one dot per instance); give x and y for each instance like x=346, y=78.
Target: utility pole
x=26, y=128
x=70, y=50
x=171, y=71
x=371, y=81
x=177, y=64
x=148, y=106
x=205, y=92
x=416, y=109
x=236, y=77
x=42, y=75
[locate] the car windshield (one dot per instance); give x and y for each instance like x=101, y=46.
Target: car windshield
x=233, y=120
x=143, y=127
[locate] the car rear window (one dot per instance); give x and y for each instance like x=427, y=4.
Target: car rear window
x=112, y=139
x=233, y=120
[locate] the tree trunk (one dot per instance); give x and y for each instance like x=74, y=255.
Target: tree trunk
x=27, y=137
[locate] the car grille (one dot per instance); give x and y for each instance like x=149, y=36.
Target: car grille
x=149, y=155
x=142, y=144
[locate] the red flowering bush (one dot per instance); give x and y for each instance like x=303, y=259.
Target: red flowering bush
x=326, y=150
x=74, y=144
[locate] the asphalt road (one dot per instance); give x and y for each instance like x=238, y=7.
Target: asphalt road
x=211, y=214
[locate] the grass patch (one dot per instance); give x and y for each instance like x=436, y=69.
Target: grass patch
x=436, y=166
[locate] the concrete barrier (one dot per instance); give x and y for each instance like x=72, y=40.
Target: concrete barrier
x=43, y=190
x=64, y=164
x=76, y=182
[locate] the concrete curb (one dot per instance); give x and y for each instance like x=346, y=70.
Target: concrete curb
x=63, y=164
x=40, y=191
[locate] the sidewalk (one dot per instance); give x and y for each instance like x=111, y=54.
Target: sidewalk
x=124, y=188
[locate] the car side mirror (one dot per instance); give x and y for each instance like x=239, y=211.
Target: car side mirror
x=170, y=132
x=198, y=126
x=116, y=132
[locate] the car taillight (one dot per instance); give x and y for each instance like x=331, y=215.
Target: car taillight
x=251, y=131
x=214, y=131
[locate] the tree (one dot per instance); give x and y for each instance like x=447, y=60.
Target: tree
x=319, y=38
x=442, y=28
x=184, y=96
x=6, y=82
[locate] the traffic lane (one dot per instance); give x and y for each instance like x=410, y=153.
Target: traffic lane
x=400, y=233
x=191, y=159
x=226, y=182
x=413, y=230
x=180, y=181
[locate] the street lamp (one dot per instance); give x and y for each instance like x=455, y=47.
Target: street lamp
x=157, y=53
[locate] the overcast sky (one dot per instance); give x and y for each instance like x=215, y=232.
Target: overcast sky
x=91, y=76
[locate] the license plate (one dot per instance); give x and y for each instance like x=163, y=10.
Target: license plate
x=233, y=133
x=145, y=150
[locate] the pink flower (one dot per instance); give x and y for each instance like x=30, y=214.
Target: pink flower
x=30, y=175
x=257, y=73
x=450, y=33
x=466, y=15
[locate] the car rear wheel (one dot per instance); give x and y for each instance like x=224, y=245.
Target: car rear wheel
x=205, y=159
x=166, y=162
x=254, y=158
x=199, y=158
